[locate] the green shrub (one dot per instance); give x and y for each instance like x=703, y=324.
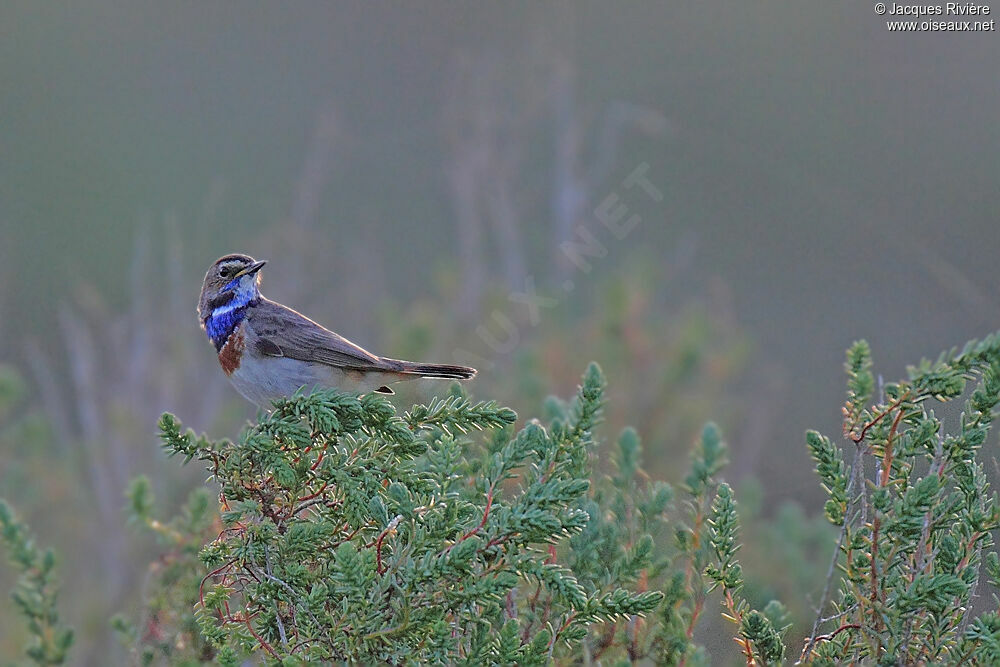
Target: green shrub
x=35, y=592
x=352, y=533
x=916, y=516
x=347, y=532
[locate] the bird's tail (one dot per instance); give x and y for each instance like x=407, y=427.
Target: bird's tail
x=445, y=371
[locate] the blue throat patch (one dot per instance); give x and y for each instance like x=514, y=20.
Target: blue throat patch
x=224, y=320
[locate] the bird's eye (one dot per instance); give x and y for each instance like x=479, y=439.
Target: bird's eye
x=225, y=271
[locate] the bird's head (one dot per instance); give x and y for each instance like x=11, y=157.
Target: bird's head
x=232, y=281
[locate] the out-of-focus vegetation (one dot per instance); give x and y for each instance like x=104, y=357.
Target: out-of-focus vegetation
x=407, y=171
x=167, y=628
x=35, y=595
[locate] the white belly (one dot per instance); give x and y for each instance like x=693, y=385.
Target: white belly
x=261, y=380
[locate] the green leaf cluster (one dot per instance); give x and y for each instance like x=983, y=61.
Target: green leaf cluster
x=35, y=592
x=346, y=532
x=350, y=533
x=916, y=515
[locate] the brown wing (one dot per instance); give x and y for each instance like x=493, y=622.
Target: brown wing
x=283, y=332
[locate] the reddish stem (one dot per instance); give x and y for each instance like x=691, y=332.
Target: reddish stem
x=876, y=523
x=313, y=495
x=744, y=643
x=349, y=537
x=494, y=541
x=486, y=514
x=887, y=455
x=562, y=628
x=699, y=603
x=201, y=587
x=378, y=552
x=264, y=644
x=968, y=551
x=877, y=418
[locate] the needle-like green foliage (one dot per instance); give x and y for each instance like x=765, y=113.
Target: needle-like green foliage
x=352, y=534
x=348, y=533
x=916, y=516
x=35, y=592
x=759, y=640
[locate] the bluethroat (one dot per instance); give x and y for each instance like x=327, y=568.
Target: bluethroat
x=269, y=350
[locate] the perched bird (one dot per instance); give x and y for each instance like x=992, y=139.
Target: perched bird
x=269, y=350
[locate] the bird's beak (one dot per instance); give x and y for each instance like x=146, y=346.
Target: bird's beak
x=253, y=268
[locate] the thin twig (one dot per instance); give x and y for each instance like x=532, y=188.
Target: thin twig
x=846, y=626
x=391, y=528
x=813, y=638
x=260, y=640
x=689, y=571
x=972, y=595
x=920, y=557
x=738, y=618
x=486, y=514
x=277, y=612
x=883, y=481
x=296, y=599
x=859, y=437
x=201, y=587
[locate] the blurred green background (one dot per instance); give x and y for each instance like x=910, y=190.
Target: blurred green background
x=408, y=169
